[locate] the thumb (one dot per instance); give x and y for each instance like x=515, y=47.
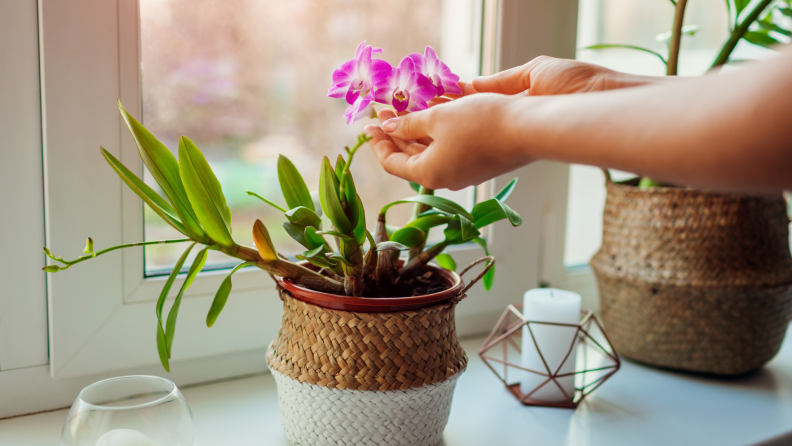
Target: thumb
x=409, y=127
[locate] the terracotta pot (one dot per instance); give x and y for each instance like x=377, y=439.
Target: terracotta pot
x=380, y=304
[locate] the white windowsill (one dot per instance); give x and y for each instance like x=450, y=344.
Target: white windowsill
x=639, y=405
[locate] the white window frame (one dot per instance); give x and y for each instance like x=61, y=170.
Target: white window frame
x=101, y=320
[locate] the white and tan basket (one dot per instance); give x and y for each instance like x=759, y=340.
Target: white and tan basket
x=374, y=379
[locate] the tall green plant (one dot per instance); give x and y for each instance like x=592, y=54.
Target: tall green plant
x=194, y=205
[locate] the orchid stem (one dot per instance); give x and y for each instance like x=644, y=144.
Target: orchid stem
x=362, y=139
x=92, y=255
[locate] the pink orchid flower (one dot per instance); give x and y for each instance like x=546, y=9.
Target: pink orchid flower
x=403, y=88
x=438, y=72
x=353, y=81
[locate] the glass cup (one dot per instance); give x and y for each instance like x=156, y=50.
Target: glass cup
x=130, y=411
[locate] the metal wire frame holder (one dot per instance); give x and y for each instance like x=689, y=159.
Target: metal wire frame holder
x=510, y=324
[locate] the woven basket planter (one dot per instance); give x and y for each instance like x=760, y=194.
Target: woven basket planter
x=366, y=378
x=694, y=280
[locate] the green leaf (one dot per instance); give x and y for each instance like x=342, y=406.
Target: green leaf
x=415, y=186
x=603, y=46
x=430, y=221
x=304, y=217
x=504, y=193
x=689, y=30
x=222, y=295
x=351, y=200
x=205, y=193
x=446, y=261
x=739, y=5
x=313, y=239
x=409, y=236
x=433, y=212
x=391, y=246
x=340, y=258
x=335, y=234
x=761, y=39
x=460, y=230
x=165, y=169
x=440, y=203
x=320, y=260
x=360, y=229
x=488, y=278
x=786, y=11
x=196, y=267
x=271, y=203
x=162, y=346
x=296, y=232
x=339, y=167
x=328, y=194
x=492, y=210
x=295, y=192
x=646, y=183
x=770, y=26
x=147, y=194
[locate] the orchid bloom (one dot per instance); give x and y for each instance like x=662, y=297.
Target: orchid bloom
x=353, y=81
x=438, y=73
x=403, y=88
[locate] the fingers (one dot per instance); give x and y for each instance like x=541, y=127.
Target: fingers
x=411, y=147
x=410, y=127
x=440, y=100
x=512, y=81
x=393, y=160
x=467, y=89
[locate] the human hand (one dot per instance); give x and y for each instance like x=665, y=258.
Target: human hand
x=550, y=76
x=451, y=145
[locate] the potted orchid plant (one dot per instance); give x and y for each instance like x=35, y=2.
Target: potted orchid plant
x=363, y=322
x=693, y=279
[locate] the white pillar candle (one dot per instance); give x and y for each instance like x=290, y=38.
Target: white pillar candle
x=549, y=305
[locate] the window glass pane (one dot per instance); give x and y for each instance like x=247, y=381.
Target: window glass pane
x=247, y=80
x=635, y=23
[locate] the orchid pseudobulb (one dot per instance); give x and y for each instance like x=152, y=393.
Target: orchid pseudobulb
x=409, y=87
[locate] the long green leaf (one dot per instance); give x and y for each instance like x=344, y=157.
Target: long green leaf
x=351, y=200
x=761, y=39
x=488, y=278
x=147, y=194
x=334, y=234
x=303, y=216
x=221, y=297
x=196, y=267
x=786, y=11
x=293, y=186
x=504, y=193
x=313, y=239
x=409, y=236
x=319, y=260
x=415, y=186
x=446, y=261
x=739, y=5
x=360, y=229
x=770, y=26
x=296, y=232
x=440, y=203
x=430, y=221
x=328, y=194
x=205, y=193
x=460, y=230
x=165, y=169
x=492, y=210
x=339, y=167
x=602, y=46
x=162, y=346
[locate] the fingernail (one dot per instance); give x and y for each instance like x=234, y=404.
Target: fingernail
x=390, y=125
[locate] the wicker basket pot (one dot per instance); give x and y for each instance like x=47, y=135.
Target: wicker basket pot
x=366, y=378
x=694, y=280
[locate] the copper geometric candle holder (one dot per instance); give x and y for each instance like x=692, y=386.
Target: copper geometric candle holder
x=596, y=359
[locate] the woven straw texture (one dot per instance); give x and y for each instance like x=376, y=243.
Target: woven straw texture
x=366, y=351
x=694, y=280
x=316, y=415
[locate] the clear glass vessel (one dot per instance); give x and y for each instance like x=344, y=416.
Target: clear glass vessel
x=130, y=411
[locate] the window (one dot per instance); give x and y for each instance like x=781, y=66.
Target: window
x=247, y=81
x=101, y=313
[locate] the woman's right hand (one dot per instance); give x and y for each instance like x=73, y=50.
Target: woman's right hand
x=550, y=76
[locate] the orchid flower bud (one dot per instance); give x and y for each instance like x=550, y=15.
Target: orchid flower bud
x=51, y=268
x=88, y=246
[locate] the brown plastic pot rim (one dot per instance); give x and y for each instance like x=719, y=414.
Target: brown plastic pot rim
x=376, y=304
